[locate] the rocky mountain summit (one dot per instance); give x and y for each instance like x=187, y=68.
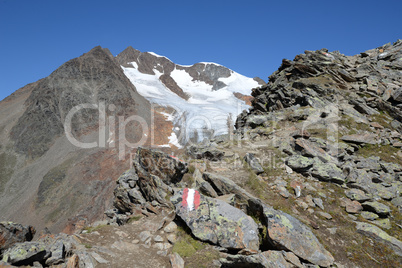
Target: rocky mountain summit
x=311, y=177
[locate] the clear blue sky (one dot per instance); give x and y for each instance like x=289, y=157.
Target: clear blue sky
x=250, y=37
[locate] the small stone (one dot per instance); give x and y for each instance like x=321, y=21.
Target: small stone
x=302, y=204
x=292, y=258
x=318, y=202
x=353, y=207
x=170, y=228
x=283, y=192
x=325, y=215
x=332, y=231
x=176, y=261
x=98, y=258
x=254, y=163
x=162, y=246
x=162, y=252
x=136, y=241
x=369, y=215
x=144, y=235
x=352, y=217
x=122, y=234
x=309, y=200
x=172, y=238
x=158, y=238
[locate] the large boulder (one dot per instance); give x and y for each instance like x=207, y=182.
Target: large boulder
x=288, y=233
x=11, y=233
x=168, y=168
x=379, y=235
x=205, y=150
x=284, y=231
x=25, y=253
x=216, y=221
x=264, y=259
x=148, y=182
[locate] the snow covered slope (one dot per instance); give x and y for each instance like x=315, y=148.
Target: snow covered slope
x=209, y=89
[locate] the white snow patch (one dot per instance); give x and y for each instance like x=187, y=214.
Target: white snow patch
x=213, y=63
x=164, y=146
x=135, y=64
x=156, y=55
x=174, y=141
x=205, y=109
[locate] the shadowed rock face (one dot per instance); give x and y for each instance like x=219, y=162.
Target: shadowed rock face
x=92, y=78
x=12, y=233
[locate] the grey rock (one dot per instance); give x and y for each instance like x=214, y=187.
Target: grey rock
x=144, y=235
x=228, y=198
x=369, y=215
x=360, y=138
x=397, y=95
x=284, y=231
x=207, y=151
x=253, y=163
x=206, y=189
x=170, y=228
x=376, y=207
x=98, y=258
x=269, y=258
x=158, y=238
x=292, y=258
x=325, y=215
x=318, y=202
x=217, y=222
x=25, y=253
x=57, y=253
x=397, y=202
x=370, y=163
x=12, y=233
x=299, y=163
x=358, y=195
x=136, y=196
x=327, y=172
x=383, y=223
x=379, y=235
x=176, y=261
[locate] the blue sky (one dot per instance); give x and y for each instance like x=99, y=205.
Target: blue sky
x=250, y=37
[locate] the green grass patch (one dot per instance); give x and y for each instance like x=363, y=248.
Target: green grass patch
x=387, y=153
x=133, y=219
x=383, y=119
x=90, y=229
x=52, y=180
x=186, y=245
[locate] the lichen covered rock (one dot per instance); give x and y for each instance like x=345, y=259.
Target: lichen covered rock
x=216, y=221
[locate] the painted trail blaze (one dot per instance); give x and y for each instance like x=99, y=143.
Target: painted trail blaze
x=190, y=199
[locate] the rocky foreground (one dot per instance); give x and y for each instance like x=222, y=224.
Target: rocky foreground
x=311, y=178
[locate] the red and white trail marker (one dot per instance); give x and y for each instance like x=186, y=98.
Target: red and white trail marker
x=191, y=199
